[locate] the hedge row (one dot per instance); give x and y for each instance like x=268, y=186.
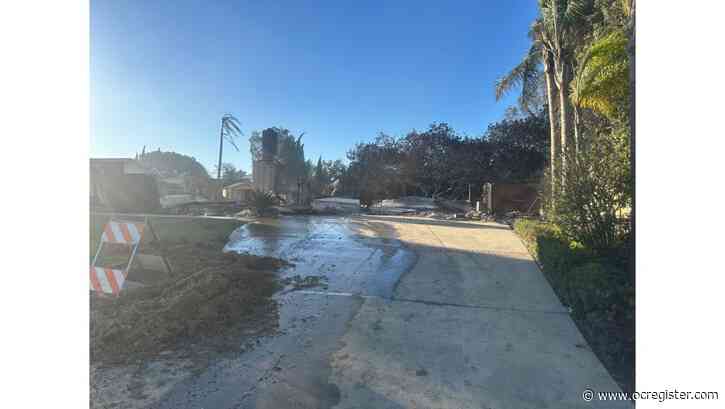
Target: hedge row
x=597, y=289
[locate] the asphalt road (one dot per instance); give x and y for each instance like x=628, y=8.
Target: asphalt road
x=417, y=313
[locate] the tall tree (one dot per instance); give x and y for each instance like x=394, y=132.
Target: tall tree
x=320, y=174
x=290, y=154
x=518, y=147
x=630, y=29
x=527, y=75
x=374, y=169
x=230, y=174
x=229, y=131
x=320, y=179
x=172, y=164
x=560, y=29
x=334, y=169
x=425, y=159
x=255, y=145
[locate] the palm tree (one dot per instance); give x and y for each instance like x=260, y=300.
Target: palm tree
x=560, y=29
x=528, y=76
x=602, y=81
x=229, y=131
x=630, y=12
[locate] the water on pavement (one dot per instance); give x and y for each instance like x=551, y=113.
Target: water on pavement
x=292, y=368
x=333, y=248
x=473, y=323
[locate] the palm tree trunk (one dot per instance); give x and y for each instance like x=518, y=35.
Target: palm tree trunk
x=221, y=146
x=575, y=110
x=632, y=54
x=546, y=58
x=564, y=117
x=562, y=80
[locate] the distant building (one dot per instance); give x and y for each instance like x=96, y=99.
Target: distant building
x=181, y=187
x=270, y=173
x=116, y=166
x=122, y=185
x=113, y=168
x=240, y=191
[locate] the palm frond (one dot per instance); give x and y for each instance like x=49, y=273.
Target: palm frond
x=523, y=75
x=602, y=83
x=627, y=7
x=532, y=89
x=575, y=9
x=231, y=130
x=233, y=127
x=548, y=11
x=563, y=15
x=231, y=141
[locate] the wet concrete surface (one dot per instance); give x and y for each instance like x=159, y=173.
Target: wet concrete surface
x=291, y=369
x=416, y=314
x=343, y=250
x=288, y=370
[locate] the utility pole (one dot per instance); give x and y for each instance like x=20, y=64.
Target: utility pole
x=221, y=145
x=230, y=130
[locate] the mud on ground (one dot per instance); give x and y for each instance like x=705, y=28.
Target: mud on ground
x=207, y=305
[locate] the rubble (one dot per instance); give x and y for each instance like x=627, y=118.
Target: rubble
x=441, y=209
x=336, y=205
x=406, y=205
x=458, y=206
x=246, y=214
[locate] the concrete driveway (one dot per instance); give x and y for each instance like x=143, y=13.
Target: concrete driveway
x=418, y=313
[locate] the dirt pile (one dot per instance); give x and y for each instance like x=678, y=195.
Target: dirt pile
x=210, y=303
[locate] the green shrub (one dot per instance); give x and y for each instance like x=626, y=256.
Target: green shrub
x=582, y=279
x=529, y=230
x=596, y=287
x=560, y=255
x=597, y=192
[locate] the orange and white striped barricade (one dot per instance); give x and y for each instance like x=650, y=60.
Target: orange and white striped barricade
x=123, y=232
x=109, y=280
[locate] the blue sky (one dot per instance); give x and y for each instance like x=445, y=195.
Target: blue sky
x=163, y=72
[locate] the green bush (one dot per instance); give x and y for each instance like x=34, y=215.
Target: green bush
x=529, y=230
x=559, y=257
x=582, y=278
x=592, y=205
x=595, y=285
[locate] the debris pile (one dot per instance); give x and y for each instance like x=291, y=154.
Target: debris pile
x=440, y=209
x=336, y=205
x=209, y=302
